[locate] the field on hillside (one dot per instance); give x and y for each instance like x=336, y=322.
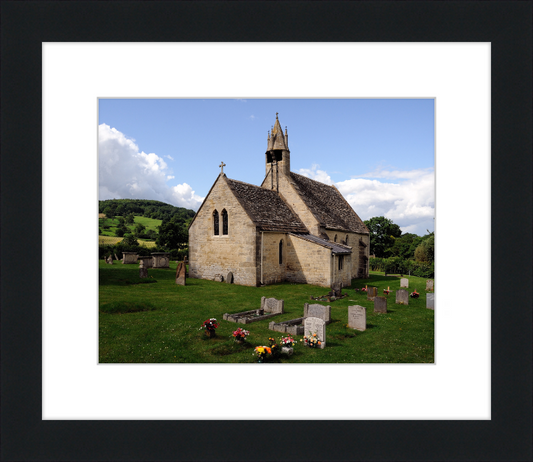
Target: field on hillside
x=150, y=223
x=110, y=240
x=153, y=320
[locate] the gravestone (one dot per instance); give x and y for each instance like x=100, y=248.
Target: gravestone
x=143, y=271
x=271, y=305
x=181, y=277
x=160, y=259
x=287, y=350
x=336, y=289
x=292, y=327
x=380, y=305
x=116, y=258
x=229, y=278
x=129, y=258
x=147, y=261
x=316, y=326
x=404, y=282
x=429, y=284
x=318, y=311
x=357, y=317
x=371, y=293
x=218, y=278
x=110, y=260
x=402, y=297
x=430, y=301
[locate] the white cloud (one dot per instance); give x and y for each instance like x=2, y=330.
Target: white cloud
x=169, y=157
x=170, y=177
x=126, y=173
x=409, y=201
x=252, y=117
x=315, y=174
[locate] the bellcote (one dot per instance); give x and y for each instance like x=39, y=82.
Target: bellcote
x=278, y=153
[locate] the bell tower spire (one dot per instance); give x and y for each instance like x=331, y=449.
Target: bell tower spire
x=278, y=149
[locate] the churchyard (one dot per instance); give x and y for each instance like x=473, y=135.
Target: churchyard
x=154, y=320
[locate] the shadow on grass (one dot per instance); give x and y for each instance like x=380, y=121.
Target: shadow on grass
x=126, y=307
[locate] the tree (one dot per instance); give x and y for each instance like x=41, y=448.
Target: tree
x=130, y=219
x=426, y=250
x=129, y=240
x=172, y=236
x=139, y=229
x=382, y=235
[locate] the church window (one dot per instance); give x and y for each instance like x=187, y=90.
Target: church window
x=281, y=252
x=341, y=261
x=224, y=222
x=215, y=223
x=346, y=239
x=335, y=238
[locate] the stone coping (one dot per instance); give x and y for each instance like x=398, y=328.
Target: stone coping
x=247, y=317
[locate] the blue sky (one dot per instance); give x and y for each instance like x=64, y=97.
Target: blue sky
x=379, y=153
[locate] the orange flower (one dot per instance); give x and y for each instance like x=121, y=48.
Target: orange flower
x=319, y=342
x=314, y=335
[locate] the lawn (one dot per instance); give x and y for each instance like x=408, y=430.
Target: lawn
x=154, y=320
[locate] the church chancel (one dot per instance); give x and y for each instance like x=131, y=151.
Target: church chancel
x=291, y=228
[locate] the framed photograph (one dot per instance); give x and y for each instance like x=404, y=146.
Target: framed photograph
x=472, y=59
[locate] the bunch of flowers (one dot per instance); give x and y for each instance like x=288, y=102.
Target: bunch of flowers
x=386, y=291
x=287, y=341
x=311, y=341
x=209, y=325
x=415, y=294
x=241, y=334
x=364, y=289
x=262, y=352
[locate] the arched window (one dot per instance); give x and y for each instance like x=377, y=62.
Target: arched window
x=224, y=222
x=335, y=238
x=341, y=262
x=346, y=239
x=215, y=223
x=281, y=252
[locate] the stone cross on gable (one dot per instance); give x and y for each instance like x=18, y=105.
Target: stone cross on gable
x=222, y=165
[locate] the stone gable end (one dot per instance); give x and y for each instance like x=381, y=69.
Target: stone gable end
x=210, y=254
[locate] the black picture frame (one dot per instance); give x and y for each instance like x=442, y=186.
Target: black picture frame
x=507, y=25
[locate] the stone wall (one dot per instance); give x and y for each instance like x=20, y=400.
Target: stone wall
x=210, y=254
x=308, y=263
x=353, y=242
x=273, y=272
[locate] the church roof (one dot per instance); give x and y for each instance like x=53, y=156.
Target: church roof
x=328, y=205
x=266, y=208
x=334, y=246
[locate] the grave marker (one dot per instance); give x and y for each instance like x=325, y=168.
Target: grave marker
x=404, y=282
x=317, y=311
x=181, y=277
x=357, y=317
x=371, y=293
x=229, y=278
x=429, y=284
x=430, y=301
x=143, y=271
x=271, y=305
x=402, y=297
x=316, y=326
x=380, y=305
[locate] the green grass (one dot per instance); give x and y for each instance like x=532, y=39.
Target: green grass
x=154, y=320
x=150, y=223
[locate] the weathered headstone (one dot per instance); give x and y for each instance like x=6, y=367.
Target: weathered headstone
x=357, y=317
x=316, y=326
x=229, y=278
x=380, y=304
x=287, y=350
x=116, y=258
x=147, y=261
x=430, y=301
x=402, y=297
x=160, y=259
x=143, y=271
x=110, y=260
x=271, y=305
x=317, y=311
x=404, y=282
x=218, y=278
x=429, y=284
x=336, y=289
x=129, y=258
x=181, y=277
x=371, y=293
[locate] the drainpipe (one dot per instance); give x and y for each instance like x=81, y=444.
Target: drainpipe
x=262, y=258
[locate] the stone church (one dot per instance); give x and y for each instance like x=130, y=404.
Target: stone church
x=290, y=228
